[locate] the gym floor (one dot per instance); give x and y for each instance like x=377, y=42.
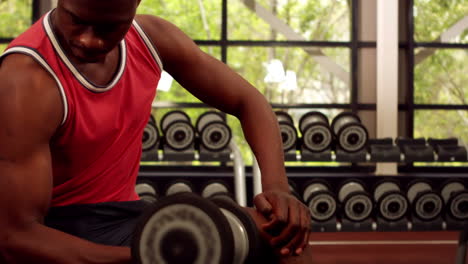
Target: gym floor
x=384, y=248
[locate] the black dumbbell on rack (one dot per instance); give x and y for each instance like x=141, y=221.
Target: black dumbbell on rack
x=216, y=188
x=213, y=131
x=186, y=228
x=349, y=132
x=288, y=133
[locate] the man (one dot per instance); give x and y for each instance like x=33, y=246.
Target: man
x=75, y=95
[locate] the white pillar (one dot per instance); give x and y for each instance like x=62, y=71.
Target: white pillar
x=387, y=75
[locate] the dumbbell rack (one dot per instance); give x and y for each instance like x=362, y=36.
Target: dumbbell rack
x=232, y=153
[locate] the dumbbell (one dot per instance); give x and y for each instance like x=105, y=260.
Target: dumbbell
x=349, y=132
x=315, y=130
x=294, y=190
x=355, y=200
x=392, y=204
x=320, y=200
x=150, y=135
x=178, y=131
x=287, y=129
x=186, y=228
x=213, y=131
x=455, y=196
x=425, y=202
x=146, y=190
x=215, y=188
x=178, y=186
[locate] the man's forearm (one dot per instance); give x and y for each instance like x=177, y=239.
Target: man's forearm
x=261, y=130
x=40, y=244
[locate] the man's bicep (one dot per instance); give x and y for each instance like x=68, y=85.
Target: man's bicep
x=29, y=115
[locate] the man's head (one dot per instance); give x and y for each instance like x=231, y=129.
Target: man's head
x=92, y=28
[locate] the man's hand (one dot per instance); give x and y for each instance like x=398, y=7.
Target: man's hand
x=289, y=221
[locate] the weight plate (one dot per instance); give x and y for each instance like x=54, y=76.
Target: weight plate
x=352, y=137
x=183, y=228
x=417, y=187
x=152, y=120
x=322, y=205
x=209, y=117
x=179, y=135
x=342, y=119
x=150, y=137
x=313, y=117
x=317, y=137
x=288, y=135
x=458, y=205
x=179, y=186
x=254, y=240
x=450, y=188
x=358, y=206
x=348, y=188
x=392, y=206
x=383, y=188
x=214, y=188
x=215, y=136
x=428, y=205
x=312, y=188
x=173, y=116
x=284, y=117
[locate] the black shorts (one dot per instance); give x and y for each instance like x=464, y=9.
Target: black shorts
x=111, y=223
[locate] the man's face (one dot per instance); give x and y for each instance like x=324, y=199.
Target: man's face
x=92, y=28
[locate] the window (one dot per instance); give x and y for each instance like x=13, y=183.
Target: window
x=300, y=54
x=438, y=48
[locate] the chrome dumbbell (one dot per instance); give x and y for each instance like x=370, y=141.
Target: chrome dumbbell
x=315, y=130
x=320, y=199
x=355, y=201
x=455, y=196
x=350, y=134
x=213, y=131
x=287, y=129
x=425, y=202
x=392, y=204
x=178, y=131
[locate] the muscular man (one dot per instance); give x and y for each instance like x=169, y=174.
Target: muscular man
x=75, y=94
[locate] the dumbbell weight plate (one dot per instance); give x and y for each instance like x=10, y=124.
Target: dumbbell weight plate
x=150, y=137
x=348, y=187
x=357, y=206
x=417, y=187
x=458, y=205
x=284, y=117
x=208, y=117
x=312, y=117
x=427, y=205
x=146, y=192
x=248, y=225
x=183, y=228
x=322, y=205
x=215, y=135
x=317, y=137
x=392, y=205
x=342, y=119
x=288, y=135
x=179, y=135
x=451, y=187
x=152, y=120
x=352, y=137
x=215, y=188
x=384, y=187
x=179, y=186
x=173, y=116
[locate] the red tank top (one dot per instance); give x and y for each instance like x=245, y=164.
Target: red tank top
x=98, y=146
